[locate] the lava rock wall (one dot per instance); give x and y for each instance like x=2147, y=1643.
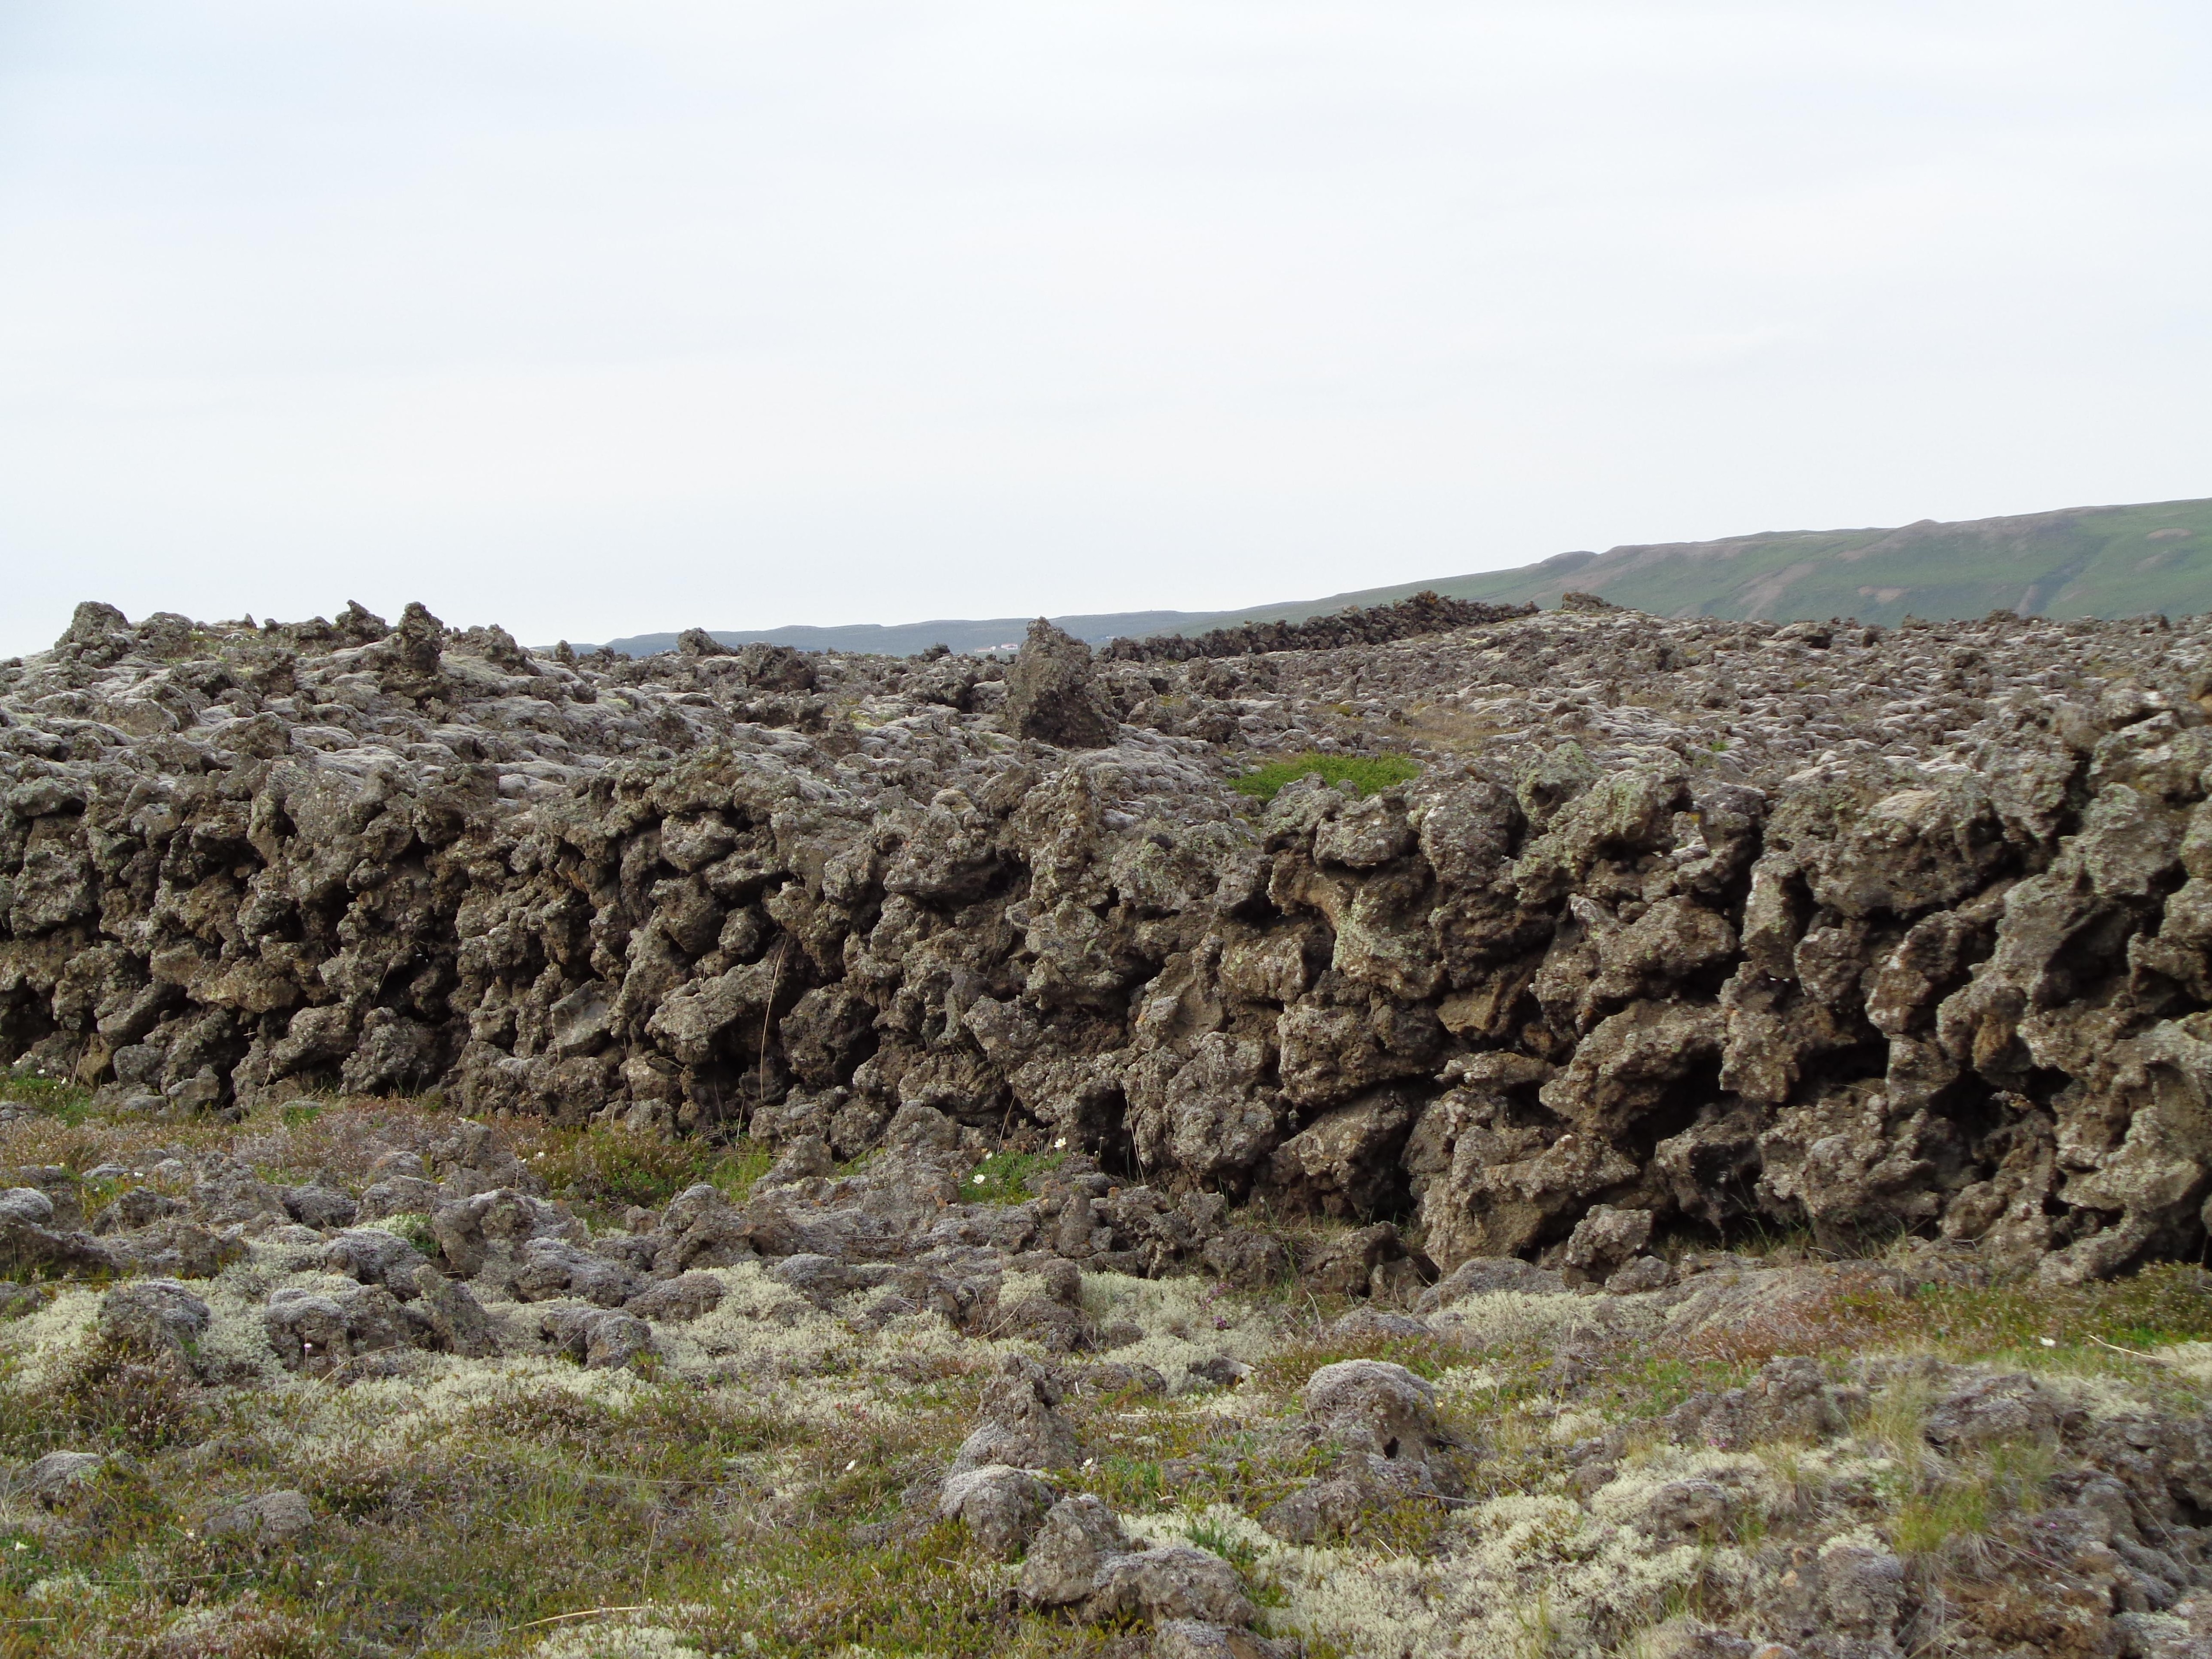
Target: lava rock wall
x=1965, y=999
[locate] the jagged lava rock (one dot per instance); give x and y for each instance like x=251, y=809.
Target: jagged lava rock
x=1712, y=922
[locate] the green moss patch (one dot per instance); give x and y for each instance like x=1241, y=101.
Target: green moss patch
x=1368, y=774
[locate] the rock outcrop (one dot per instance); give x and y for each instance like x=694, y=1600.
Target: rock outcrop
x=1682, y=923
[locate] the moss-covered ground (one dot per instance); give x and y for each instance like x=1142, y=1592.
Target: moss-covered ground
x=762, y=1487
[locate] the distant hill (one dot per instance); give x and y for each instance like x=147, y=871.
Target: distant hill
x=906, y=639
x=2078, y=561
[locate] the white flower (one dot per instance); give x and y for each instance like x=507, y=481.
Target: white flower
x=1059, y=1145
x=2048, y=1342
x=979, y=1177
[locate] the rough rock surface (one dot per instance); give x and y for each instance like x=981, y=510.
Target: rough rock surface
x=1723, y=924
x=1002, y=1505
x=1378, y=1408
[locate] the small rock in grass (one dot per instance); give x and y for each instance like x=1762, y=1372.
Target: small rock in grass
x=679, y=1300
x=459, y=1321
x=1002, y=1505
x=154, y=1315
x=275, y=1517
x=1018, y=1424
x=53, y=1476
x=1171, y=1581
x=1079, y=1534
x=1195, y=1638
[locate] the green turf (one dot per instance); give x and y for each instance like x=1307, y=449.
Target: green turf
x=1368, y=774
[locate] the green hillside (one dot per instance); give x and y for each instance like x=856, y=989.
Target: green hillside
x=2080, y=561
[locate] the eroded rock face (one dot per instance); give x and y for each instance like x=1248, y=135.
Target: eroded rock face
x=1687, y=921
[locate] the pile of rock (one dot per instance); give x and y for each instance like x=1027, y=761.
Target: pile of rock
x=1075, y=1555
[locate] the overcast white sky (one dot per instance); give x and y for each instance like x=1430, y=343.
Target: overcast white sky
x=592, y=318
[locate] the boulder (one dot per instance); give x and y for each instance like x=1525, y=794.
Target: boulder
x=1052, y=694
x=154, y=1315
x=455, y=1317
x=1079, y=1536
x=1374, y=1406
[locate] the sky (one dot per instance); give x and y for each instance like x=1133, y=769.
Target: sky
x=592, y=319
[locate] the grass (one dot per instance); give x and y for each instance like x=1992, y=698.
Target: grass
x=462, y=1536
x=613, y=1168
x=601, y=1170
x=1368, y=774
x=67, y=1103
x=2026, y=1322
x=1005, y=1177
x=1937, y=1503
x=1208, y=1532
